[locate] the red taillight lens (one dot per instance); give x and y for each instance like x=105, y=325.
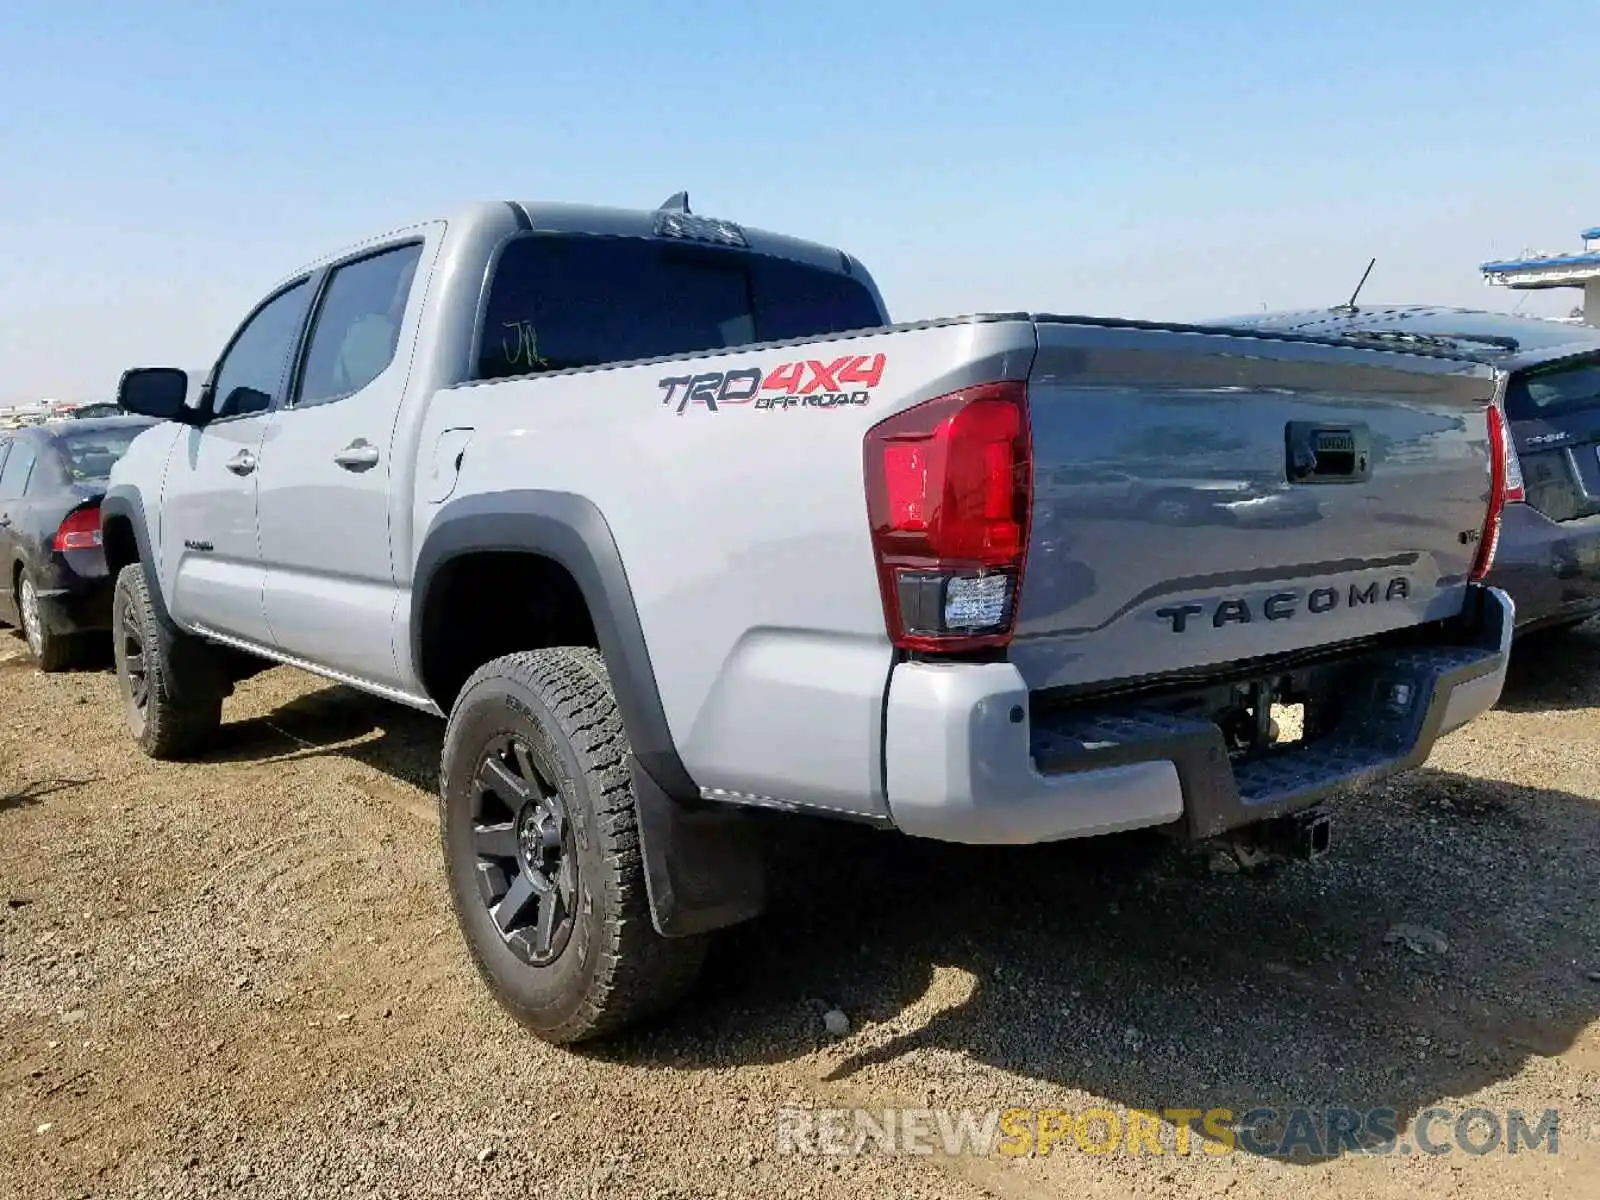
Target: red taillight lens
x=1500, y=461
x=80, y=531
x=949, y=492
x=1516, y=490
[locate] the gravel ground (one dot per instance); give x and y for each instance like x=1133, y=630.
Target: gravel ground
x=241, y=977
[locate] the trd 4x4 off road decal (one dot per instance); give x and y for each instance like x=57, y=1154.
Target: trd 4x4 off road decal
x=807, y=383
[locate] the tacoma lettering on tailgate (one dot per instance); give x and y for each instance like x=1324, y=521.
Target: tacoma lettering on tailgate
x=1282, y=606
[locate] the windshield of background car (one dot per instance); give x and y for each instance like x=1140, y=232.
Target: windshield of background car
x=89, y=456
x=1548, y=392
x=559, y=302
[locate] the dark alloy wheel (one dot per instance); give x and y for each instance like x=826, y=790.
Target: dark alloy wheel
x=541, y=846
x=169, y=714
x=527, y=865
x=129, y=656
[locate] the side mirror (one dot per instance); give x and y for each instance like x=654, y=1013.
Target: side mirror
x=157, y=392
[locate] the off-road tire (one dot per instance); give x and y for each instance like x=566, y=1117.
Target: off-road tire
x=50, y=651
x=168, y=717
x=614, y=968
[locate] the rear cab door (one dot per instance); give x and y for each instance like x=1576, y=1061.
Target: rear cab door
x=327, y=466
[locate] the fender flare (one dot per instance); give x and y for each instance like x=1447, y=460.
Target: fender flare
x=124, y=502
x=193, y=662
x=702, y=863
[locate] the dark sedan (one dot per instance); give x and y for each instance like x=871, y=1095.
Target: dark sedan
x=53, y=580
x=1549, y=553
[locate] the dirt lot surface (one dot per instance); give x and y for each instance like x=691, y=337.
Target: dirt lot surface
x=241, y=977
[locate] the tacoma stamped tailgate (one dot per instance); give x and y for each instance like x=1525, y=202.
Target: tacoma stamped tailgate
x=1203, y=497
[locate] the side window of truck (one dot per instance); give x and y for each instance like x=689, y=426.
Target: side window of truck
x=796, y=301
x=562, y=301
x=357, y=327
x=252, y=367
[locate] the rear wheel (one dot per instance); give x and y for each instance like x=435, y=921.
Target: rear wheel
x=541, y=847
x=52, y=651
x=169, y=717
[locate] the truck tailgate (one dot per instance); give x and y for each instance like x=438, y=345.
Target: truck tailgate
x=1179, y=521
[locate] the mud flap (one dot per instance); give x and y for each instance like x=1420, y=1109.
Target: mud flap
x=702, y=865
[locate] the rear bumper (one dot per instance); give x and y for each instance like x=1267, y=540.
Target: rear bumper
x=75, y=593
x=1551, y=569
x=968, y=760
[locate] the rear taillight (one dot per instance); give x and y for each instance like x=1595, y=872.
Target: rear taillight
x=949, y=492
x=1516, y=490
x=1502, y=465
x=80, y=531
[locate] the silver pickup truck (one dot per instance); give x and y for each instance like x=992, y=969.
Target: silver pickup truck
x=673, y=525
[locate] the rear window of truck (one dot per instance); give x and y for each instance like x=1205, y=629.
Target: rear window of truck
x=1550, y=391
x=559, y=302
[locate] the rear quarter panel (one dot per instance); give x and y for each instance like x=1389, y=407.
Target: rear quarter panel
x=743, y=531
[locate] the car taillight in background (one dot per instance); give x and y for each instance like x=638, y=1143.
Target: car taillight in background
x=1505, y=486
x=1516, y=490
x=949, y=495
x=80, y=531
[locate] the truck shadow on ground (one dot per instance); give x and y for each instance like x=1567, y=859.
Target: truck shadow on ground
x=1052, y=976
x=36, y=793
x=1123, y=970
x=340, y=721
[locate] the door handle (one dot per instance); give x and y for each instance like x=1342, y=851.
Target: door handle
x=357, y=456
x=242, y=463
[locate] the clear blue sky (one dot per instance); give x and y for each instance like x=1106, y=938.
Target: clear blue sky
x=161, y=164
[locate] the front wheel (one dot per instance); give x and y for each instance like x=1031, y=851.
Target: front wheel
x=541, y=847
x=169, y=717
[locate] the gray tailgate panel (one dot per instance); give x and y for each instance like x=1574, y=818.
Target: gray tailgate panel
x=1167, y=534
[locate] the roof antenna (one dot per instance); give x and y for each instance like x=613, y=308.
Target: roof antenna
x=677, y=202
x=1349, y=306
